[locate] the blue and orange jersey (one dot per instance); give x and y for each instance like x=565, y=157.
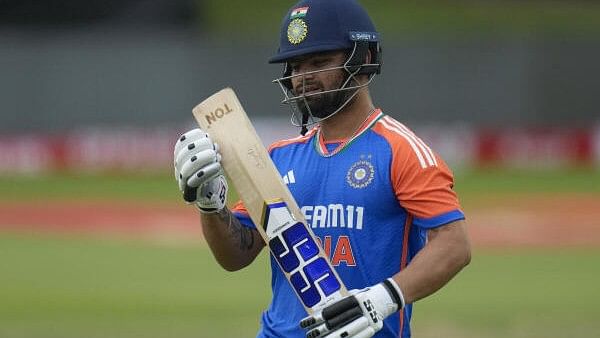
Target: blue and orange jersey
x=370, y=205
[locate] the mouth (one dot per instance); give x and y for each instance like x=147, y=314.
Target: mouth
x=308, y=90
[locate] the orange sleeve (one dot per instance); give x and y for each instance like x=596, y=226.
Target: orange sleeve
x=239, y=207
x=241, y=213
x=423, y=192
x=422, y=182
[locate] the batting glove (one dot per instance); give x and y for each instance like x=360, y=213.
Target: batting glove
x=198, y=171
x=359, y=315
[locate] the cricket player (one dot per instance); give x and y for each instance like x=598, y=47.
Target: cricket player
x=379, y=199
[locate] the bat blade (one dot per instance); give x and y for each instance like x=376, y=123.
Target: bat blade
x=269, y=202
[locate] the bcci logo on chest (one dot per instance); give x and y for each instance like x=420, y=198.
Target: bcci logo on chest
x=360, y=174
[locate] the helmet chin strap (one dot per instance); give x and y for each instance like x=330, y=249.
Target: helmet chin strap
x=304, y=128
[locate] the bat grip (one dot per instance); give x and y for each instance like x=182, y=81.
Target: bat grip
x=189, y=194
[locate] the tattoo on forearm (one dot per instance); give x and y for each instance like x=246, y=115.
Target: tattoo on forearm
x=244, y=236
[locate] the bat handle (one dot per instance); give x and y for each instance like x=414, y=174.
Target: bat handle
x=189, y=194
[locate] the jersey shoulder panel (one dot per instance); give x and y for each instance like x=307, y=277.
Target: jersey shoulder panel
x=405, y=143
x=422, y=181
x=300, y=139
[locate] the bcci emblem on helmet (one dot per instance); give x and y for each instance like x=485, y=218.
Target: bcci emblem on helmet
x=360, y=174
x=297, y=31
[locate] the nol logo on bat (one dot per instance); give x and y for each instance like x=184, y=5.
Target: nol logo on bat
x=218, y=113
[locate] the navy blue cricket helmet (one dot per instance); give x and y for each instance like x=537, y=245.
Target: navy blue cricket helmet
x=313, y=26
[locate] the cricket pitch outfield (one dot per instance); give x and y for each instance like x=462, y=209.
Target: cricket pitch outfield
x=132, y=263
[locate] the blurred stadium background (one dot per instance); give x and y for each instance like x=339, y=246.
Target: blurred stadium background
x=95, y=241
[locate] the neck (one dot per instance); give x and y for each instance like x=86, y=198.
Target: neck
x=345, y=123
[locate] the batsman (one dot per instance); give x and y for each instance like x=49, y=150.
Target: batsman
x=379, y=199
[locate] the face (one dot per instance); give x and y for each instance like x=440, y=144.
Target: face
x=320, y=105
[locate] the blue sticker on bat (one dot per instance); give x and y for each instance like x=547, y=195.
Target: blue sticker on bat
x=297, y=253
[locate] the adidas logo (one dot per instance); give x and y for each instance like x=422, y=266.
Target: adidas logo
x=289, y=178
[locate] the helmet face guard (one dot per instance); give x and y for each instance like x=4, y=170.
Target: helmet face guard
x=302, y=113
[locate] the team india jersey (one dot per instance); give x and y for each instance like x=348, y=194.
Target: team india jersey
x=369, y=204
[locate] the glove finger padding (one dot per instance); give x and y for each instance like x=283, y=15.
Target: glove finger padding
x=332, y=317
x=203, y=175
x=366, y=333
x=197, y=165
x=357, y=328
x=187, y=138
x=349, y=324
x=193, y=149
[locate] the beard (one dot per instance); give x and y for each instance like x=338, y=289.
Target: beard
x=324, y=104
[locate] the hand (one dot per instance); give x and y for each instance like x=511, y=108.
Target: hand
x=198, y=171
x=359, y=315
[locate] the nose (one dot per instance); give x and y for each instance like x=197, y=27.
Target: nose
x=301, y=78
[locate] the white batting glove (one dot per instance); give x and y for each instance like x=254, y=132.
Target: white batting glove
x=359, y=315
x=198, y=171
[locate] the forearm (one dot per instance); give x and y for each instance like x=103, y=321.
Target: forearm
x=445, y=254
x=233, y=245
x=361, y=314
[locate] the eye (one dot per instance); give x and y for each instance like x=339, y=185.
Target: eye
x=320, y=62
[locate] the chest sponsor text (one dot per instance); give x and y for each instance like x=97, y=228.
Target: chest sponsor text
x=334, y=216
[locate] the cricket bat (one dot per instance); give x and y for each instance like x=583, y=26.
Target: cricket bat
x=269, y=202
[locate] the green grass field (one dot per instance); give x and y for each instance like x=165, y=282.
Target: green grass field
x=64, y=286
x=470, y=185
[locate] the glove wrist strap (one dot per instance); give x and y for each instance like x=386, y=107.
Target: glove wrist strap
x=206, y=210
x=394, y=290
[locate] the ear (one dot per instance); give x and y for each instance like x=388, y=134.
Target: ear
x=368, y=57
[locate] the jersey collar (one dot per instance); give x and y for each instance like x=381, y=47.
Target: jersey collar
x=320, y=143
